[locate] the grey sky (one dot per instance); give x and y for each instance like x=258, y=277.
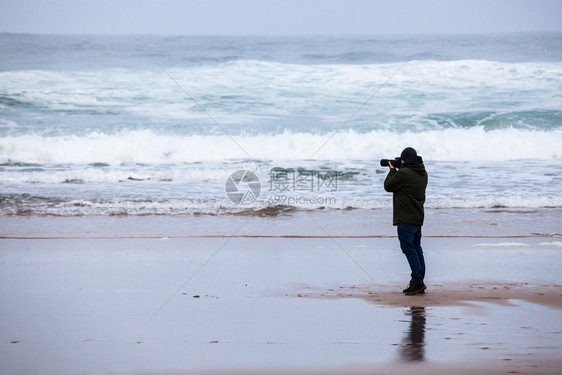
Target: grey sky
x=277, y=17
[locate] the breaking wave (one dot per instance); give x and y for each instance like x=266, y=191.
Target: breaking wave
x=146, y=146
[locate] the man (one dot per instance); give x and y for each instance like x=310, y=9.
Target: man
x=408, y=187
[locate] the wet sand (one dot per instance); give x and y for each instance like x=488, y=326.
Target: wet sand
x=444, y=294
x=547, y=367
x=121, y=300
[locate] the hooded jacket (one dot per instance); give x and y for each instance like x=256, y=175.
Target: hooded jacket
x=408, y=187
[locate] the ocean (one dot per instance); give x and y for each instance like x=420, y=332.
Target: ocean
x=161, y=125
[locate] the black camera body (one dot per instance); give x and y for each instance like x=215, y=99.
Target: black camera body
x=396, y=163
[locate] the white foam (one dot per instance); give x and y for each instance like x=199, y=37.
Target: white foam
x=502, y=244
x=145, y=146
x=250, y=89
x=553, y=244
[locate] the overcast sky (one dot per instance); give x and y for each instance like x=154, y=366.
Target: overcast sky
x=278, y=17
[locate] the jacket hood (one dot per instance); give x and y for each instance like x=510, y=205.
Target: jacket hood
x=415, y=163
x=413, y=160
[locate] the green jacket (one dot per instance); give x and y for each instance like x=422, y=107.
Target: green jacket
x=408, y=187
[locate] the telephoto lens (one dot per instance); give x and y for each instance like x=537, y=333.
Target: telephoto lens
x=396, y=162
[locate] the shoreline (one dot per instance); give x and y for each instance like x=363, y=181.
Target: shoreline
x=357, y=223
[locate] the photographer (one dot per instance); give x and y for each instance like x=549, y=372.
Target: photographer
x=407, y=180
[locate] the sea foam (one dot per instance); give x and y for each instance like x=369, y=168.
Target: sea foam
x=146, y=146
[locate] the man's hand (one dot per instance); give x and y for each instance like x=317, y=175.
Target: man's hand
x=390, y=165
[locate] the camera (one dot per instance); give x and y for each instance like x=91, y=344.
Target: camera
x=396, y=163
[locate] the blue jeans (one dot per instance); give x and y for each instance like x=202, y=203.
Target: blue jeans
x=410, y=243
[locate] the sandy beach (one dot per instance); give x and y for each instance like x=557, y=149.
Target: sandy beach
x=164, y=295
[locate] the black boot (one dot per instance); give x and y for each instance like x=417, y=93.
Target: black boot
x=416, y=287
x=409, y=286
x=412, y=282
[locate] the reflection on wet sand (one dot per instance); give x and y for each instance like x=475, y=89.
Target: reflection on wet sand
x=413, y=344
